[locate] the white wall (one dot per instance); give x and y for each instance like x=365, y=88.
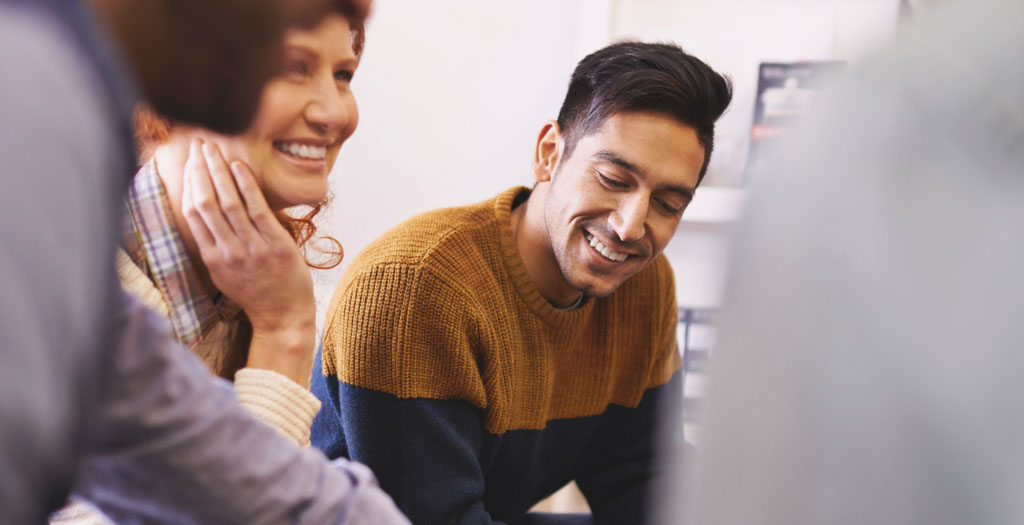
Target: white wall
x=735, y=36
x=452, y=94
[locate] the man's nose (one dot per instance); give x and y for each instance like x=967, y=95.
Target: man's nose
x=630, y=218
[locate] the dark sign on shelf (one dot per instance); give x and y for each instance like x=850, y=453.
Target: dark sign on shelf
x=785, y=91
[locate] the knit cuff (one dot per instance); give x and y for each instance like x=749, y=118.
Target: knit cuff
x=277, y=401
x=76, y=512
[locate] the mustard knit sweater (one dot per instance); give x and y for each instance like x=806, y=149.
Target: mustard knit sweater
x=471, y=396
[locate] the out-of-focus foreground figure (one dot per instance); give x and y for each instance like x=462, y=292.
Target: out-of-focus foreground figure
x=869, y=369
x=93, y=390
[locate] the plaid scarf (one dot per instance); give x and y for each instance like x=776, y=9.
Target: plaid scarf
x=152, y=241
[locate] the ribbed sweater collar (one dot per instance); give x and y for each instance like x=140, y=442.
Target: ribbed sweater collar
x=517, y=270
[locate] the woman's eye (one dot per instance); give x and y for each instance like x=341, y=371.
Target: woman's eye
x=297, y=68
x=344, y=75
x=611, y=183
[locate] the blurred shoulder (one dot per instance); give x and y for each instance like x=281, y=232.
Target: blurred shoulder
x=48, y=79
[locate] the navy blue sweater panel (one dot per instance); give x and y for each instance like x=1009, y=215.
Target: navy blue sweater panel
x=440, y=466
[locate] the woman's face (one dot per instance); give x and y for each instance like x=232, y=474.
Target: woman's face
x=304, y=116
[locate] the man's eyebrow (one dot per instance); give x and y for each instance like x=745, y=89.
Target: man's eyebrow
x=608, y=156
x=613, y=158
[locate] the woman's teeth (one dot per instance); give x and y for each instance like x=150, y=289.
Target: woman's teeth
x=604, y=250
x=302, y=150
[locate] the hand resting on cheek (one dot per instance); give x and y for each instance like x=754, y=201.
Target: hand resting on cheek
x=252, y=259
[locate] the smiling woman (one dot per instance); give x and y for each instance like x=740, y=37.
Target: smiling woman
x=212, y=248
x=233, y=281
x=208, y=241
x=305, y=114
x=186, y=192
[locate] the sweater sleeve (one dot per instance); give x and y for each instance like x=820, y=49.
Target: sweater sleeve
x=277, y=401
x=636, y=449
x=398, y=345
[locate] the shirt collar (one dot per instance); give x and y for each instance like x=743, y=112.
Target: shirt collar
x=153, y=242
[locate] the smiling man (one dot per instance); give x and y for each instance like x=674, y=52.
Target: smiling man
x=479, y=358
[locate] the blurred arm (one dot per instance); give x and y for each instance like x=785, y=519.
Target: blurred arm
x=173, y=446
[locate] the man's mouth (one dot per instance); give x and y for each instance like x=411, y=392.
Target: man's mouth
x=605, y=251
x=302, y=151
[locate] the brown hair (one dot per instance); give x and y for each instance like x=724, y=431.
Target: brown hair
x=637, y=76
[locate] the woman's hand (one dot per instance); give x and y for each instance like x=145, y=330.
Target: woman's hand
x=252, y=260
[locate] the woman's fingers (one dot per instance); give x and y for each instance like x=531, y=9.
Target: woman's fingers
x=230, y=202
x=204, y=196
x=271, y=282
x=259, y=211
x=203, y=236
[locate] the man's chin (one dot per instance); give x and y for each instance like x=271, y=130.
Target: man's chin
x=595, y=288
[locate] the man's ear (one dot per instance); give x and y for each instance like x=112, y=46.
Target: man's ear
x=548, y=151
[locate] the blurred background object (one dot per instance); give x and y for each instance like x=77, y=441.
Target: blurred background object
x=869, y=358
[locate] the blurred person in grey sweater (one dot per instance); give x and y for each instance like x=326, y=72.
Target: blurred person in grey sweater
x=94, y=392
x=869, y=364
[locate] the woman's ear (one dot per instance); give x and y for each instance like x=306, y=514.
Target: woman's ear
x=547, y=152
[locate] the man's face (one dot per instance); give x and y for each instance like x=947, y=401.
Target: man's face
x=613, y=206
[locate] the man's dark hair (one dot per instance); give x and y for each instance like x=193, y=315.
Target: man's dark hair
x=636, y=76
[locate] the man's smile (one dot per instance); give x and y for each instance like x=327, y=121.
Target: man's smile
x=605, y=251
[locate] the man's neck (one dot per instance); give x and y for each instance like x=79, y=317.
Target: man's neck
x=534, y=245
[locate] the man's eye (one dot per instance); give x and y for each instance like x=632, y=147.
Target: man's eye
x=611, y=183
x=669, y=208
